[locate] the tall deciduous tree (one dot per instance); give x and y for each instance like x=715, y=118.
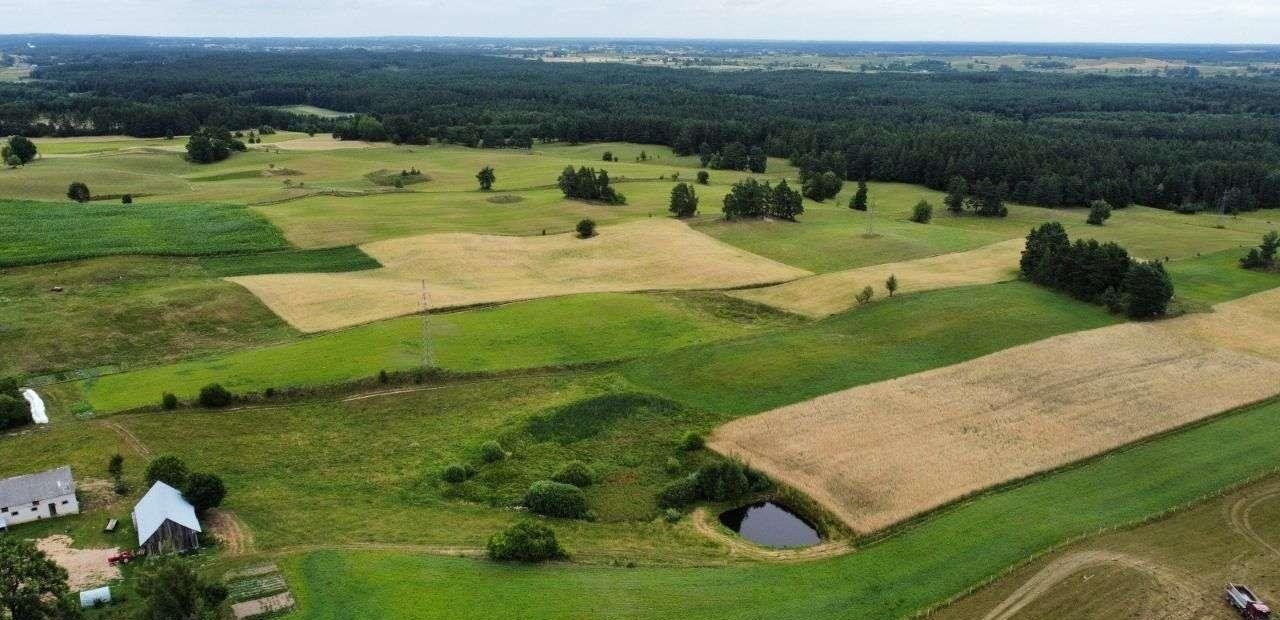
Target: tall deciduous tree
x=486, y=177
x=20, y=147
x=32, y=587
x=684, y=201
x=957, y=191
x=172, y=590
x=784, y=202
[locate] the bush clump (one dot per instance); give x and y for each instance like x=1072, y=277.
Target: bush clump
x=458, y=473
x=692, y=441
x=556, y=499
x=680, y=493
x=214, y=395
x=576, y=473
x=717, y=481
x=525, y=542
x=492, y=452
x=922, y=213
x=586, y=228
x=169, y=402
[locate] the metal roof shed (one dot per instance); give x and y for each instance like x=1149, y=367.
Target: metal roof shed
x=166, y=521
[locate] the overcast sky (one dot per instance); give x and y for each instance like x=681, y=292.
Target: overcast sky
x=1147, y=21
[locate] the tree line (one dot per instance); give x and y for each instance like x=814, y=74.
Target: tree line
x=1182, y=143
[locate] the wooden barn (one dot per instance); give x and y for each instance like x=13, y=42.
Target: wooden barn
x=166, y=522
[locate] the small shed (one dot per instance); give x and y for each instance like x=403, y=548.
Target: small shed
x=166, y=521
x=42, y=495
x=97, y=596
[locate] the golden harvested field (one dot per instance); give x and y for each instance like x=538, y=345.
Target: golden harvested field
x=322, y=142
x=878, y=454
x=1249, y=324
x=826, y=294
x=463, y=269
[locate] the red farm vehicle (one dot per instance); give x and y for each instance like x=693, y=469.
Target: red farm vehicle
x=1247, y=603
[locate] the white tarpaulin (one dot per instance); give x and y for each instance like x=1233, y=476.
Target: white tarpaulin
x=37, y=407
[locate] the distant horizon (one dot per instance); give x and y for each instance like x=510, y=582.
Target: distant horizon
x=1139, y=22
x=642, y=38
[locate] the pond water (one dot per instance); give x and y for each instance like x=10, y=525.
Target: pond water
x=770, y=524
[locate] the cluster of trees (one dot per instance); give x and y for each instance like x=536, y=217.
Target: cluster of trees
x=984, y=198
x=15, y=411
x=210, y=144
x=204, y=491
x=587, y=184
x=718, y=480
x=732, y=156
x=750, y=198
x=17, y=151
x=1263, y=256
x=1096, y=272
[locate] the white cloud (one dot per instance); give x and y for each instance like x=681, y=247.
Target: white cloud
x=1233, y=21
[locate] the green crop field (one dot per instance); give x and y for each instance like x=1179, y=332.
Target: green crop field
x=551, y=332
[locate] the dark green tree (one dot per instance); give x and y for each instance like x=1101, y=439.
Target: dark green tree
x=1099, y=212
x=957, y=192
x=486, y=178
x=525, y=541
x=922, y=213
x=204, y=491
x=684, y=201
x=747, y=198
x=169, y=470
x=784, y=202
x=586, y=228
x=20, y=147
x=859, y=202
x=78, y=192
x=1146, y=290
x=171, y=589
x=704, y=177
x=556, y=499
x=32, y=586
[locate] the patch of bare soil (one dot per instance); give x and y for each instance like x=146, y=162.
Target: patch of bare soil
x=236, y=537
x=85, y=568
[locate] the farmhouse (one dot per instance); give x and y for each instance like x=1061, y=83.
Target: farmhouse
x=43, y=495
x=165, y=521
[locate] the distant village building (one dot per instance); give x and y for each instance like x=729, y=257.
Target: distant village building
x=31, y=497
x=166, y=522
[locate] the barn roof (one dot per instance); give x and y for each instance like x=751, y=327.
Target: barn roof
x=162, y=503
x=36, y=487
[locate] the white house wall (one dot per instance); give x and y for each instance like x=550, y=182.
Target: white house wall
x=35, y=511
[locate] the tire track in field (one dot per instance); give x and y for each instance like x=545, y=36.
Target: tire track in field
x=1239, y=517
x=129, y=438
x=1180, y=601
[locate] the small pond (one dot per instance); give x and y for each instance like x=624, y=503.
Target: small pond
x=770, y=524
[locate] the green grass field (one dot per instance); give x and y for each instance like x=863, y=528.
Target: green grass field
x=917, y=568
x=549, y=332
x=38, y=232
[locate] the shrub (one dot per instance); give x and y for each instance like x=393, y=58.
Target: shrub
x=525, y=542
x=492, y=452
x=671, y=515
x=204, y=491
x=1146, y=290
x=576, y=473
x=922, y=213
x=214, y=395
x=1099, y=212
x=458, y=473
x=692, y=441
x=864, y=296
x=673, y=465
x=556, y=499
x=704, y=177
x=78, y=192
x=169, y=470
x=891, y=284
x=679, y=493
x=722, y=480
x=1263, y=256
x=20, y=148
x=169, y=402
x=126, y=199
x=586, y=228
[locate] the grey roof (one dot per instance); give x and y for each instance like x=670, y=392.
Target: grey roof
x=162, y=503
x=29, y=488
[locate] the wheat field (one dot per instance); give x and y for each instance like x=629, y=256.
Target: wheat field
x=463, y=269
x=881, y=453
x=826, y=294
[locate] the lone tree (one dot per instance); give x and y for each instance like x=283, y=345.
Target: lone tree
x=19, y=147
x=204, y=491
x=704, y=177
x=78, y=192
x=684, y=201
x=586, y=228
x=1099, y=212
x=486, y=178
x=859, y=202
x=891, y=284
x=169, y=470
x=922, y=213
x=32, y=587
x=864, y=296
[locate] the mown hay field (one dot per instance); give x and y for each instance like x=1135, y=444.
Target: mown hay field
x=878, y=454
x=826, y=294
x=462, y=269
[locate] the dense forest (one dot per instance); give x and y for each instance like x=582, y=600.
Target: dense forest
x=1185, y=143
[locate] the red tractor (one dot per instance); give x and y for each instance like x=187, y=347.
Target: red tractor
x=124, y=557
x=1247, y=603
